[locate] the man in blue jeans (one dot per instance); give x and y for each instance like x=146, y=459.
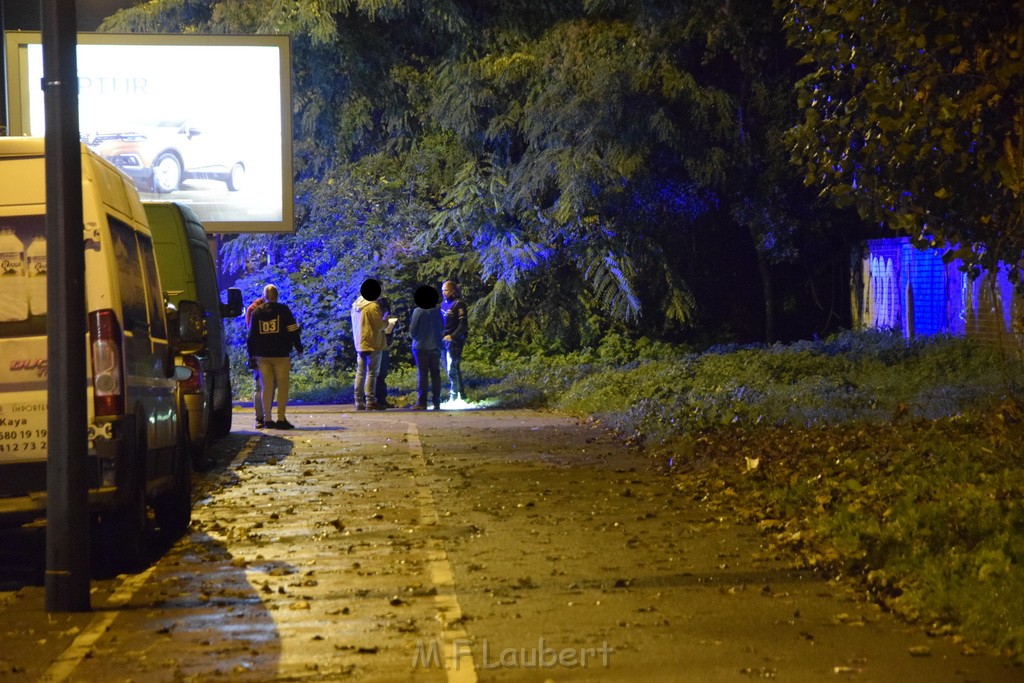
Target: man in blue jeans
x=456, y=329
x=368, y=334
x=427, y=329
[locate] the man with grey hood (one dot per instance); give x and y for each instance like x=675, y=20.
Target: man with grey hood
x=368, y=333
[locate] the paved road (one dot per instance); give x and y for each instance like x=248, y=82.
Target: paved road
x=457, y=546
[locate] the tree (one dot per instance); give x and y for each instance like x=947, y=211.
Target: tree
x=555, y=156
x=914, y=115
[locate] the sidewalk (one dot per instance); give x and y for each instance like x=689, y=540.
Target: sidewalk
x=490, y=545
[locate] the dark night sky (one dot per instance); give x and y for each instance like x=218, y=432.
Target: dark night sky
x=24, y=14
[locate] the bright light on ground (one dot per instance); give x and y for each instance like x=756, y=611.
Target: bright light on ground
x=462, y=404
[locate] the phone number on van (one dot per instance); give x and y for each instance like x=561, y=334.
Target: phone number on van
x=21, y=441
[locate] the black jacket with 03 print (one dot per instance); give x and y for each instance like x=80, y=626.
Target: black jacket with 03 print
x=273, y=331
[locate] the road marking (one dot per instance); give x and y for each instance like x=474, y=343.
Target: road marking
x=458, y=657
x=244, y=452
x=69, y=660
x=80, y=647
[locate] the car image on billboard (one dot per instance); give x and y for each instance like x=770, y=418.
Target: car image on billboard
x=160, y=155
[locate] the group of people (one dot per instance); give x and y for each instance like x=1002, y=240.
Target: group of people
x=435, y=331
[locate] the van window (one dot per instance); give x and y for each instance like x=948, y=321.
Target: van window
x=131, y=282
x=154, y=294
x=23, y=283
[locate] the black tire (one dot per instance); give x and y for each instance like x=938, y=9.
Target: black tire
x=198, y=449
x=221, y=422
x=174, y=508
x=199, y=455
x=123, y=530
x=220, y=425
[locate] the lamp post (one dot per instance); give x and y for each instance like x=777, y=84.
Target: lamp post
x=67, y=523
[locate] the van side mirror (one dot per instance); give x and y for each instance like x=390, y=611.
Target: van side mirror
x=190, y=331
x=233, y=308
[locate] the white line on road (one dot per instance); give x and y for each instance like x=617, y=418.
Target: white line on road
x=458, y=656
x=79, y=649
x=68, y=660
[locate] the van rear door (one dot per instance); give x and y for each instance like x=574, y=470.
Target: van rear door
x=22, y=337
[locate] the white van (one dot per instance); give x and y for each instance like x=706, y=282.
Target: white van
x=137, y=452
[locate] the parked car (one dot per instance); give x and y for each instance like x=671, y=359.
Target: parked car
x=187, y=272
x=137, y=450
x=158, y=156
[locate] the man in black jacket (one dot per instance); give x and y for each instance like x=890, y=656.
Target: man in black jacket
x=272, y=334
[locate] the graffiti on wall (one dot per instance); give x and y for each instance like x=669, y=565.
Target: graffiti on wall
x=897, y=286
x=883, y=292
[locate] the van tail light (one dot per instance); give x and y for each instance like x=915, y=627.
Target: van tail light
x=193, y=384
x=105, y=342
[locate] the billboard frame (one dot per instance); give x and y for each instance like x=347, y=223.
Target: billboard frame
x=19, y=107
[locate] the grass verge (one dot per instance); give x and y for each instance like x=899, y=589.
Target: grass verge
x=895, y=464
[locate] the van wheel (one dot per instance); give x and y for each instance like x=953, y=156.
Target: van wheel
x=221, y=425
x=122, y=531
x=166, y=173
x=174, y=508
x=199, y=455
x=236, y=178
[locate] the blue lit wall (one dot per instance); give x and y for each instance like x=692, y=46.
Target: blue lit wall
x=897, y=286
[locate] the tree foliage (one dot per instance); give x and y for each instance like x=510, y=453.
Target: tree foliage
x=914, y=114
x=578, y=166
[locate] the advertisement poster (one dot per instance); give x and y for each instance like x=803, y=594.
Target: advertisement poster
x=200, y=124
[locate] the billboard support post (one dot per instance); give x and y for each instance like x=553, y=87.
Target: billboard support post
x=67, y=503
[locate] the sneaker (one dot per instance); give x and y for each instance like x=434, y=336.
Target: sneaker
x=360, y=406
x=284, y=424
x=417, y=407
x=270, y=424
x=437, y=406
x=260, y=424
x=375, y=406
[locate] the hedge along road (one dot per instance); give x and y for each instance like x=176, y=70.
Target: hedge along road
x=459, y=546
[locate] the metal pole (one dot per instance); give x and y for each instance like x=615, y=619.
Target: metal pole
x=3, y=69
x=67, y=523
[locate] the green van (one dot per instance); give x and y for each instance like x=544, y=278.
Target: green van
x=187, y=272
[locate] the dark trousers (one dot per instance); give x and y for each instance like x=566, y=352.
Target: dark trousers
x=454, y=351
x=428, y=375
x=380, y=392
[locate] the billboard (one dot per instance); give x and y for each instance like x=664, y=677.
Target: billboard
x=204, y=120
